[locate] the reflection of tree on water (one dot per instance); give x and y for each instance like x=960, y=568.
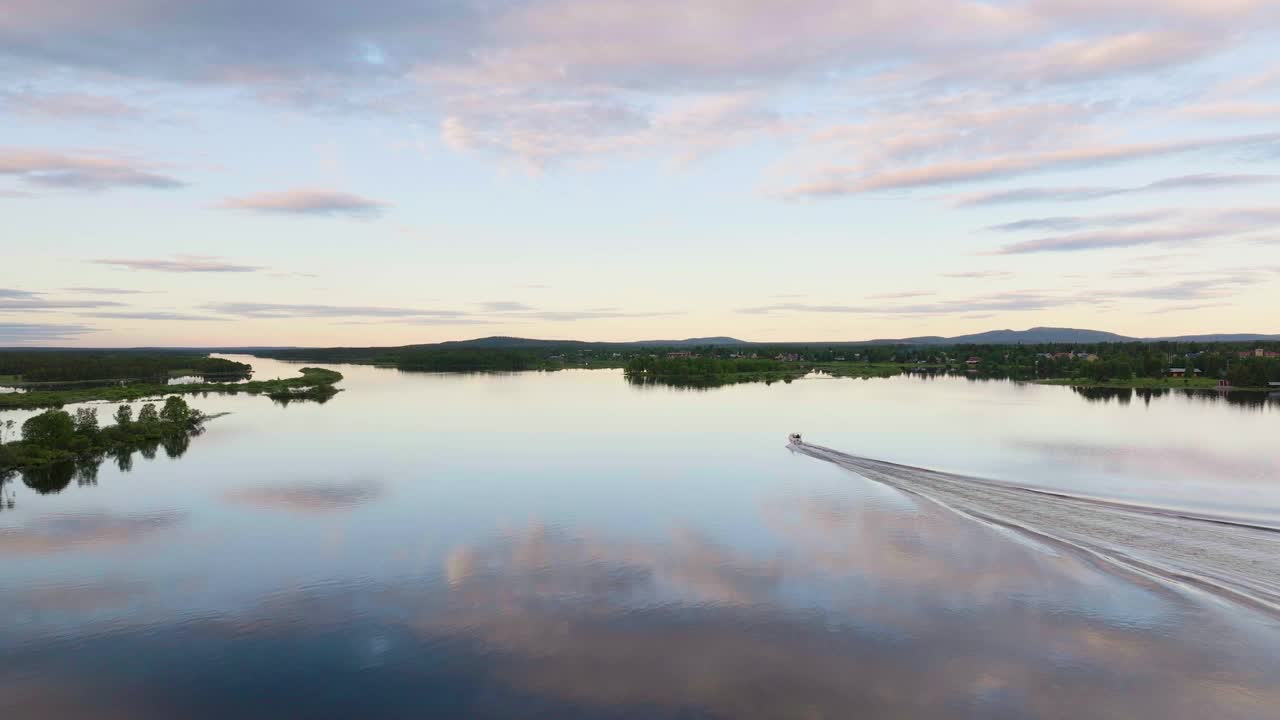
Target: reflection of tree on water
x=87, y=472
x=55, y=477
x=176, y=444
x=1123, y=396
x=49, y=479
x=702, y=383
x=123, y=459
x=6, y=493
x=319, y=394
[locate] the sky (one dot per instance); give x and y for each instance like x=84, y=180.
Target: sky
x=325, y=172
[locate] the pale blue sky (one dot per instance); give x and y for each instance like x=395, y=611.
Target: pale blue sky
x=383, y=173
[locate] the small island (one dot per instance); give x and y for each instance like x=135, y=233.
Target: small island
x=56, y=437
x=43, y=379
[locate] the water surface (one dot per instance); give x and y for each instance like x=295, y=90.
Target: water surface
x=568, y=545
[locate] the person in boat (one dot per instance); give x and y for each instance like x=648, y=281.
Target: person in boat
x=794, y=438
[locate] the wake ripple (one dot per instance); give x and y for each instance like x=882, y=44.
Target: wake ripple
x=1230, y=559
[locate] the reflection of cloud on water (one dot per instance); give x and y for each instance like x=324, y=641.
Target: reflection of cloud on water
x=546, y=561
x=308, y=497
x=926, y=552
x=1178, y=460
x=56, y=533
x=923, y=615
x=549, y=622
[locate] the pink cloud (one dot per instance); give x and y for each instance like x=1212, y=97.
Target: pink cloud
x=81, y=170
x=306, y=202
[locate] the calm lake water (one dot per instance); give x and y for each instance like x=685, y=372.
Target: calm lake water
x=567, y=545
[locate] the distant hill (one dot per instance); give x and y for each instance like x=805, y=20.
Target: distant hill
x=694, y=341
x=1032, y=336
x=1035, y=335
x=1038, y=335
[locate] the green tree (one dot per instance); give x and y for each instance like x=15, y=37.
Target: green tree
x=148, y=414
x=175, y=410
x=51, y=429
x=124, y=415
x=86, y=420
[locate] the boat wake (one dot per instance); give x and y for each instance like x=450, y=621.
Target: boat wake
x=1228, y=559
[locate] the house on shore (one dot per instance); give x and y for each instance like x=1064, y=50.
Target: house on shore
x=1181, y=372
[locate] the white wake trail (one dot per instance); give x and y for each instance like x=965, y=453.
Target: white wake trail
x=1235, y=560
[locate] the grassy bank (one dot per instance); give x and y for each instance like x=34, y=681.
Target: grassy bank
x=314, y=384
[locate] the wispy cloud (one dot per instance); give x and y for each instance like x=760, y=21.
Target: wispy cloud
x=1208, y=285
x=429, y=321
x=846, y=181
x=12, y=300
x=1186, y=307
x=504, y=306
x=155, y=315
x=491, y=312
x=288, y=310
x=106, y=291
x=1205, y=286
x=979, y=274
x=1010, y=301
x=80, y=171
x=1080, y=222
x=1103, y=239
x=307, y=202
x=40, y=303
x=1167, y=227
x=1202, y=181
x=179, y=264
x=574, y=315
x=23, y=333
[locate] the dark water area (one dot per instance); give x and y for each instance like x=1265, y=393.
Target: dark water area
x=569, y=545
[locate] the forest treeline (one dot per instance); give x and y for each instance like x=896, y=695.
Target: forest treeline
x=1204, y=363
x=35, y=366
